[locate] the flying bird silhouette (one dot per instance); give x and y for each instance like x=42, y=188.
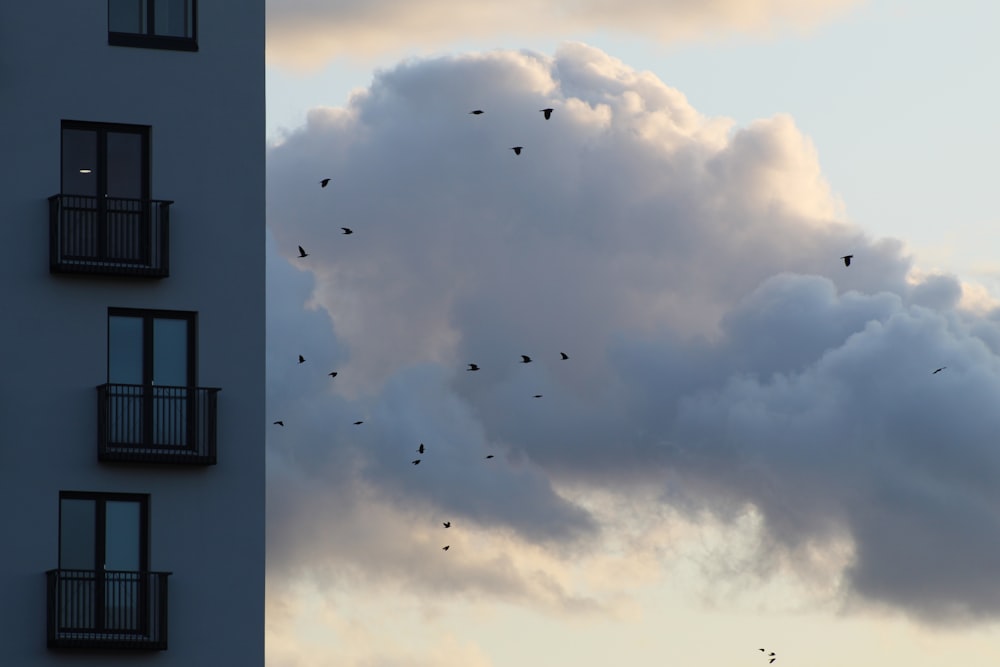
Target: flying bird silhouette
x=358, y=423
x=939, y=370
x=302, y=253
x=332, y=374
x=547, y=112
x=280, y=423
x=420, y=449
x=446, y=547
x=301, y=359
x=347, y=230
x=489, y=456
x=476, y=112
x=538, y=395
x=415, y=462
x=516, y=149
x=446, y=524
x=472, y=367
x=563, y=356
x=325, y=182
x=847, y=259
x=525, y=359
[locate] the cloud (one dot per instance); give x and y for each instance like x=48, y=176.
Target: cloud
x=720, y=352
x=302, y=33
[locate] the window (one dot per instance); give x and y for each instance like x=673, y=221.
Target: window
x=151, y=374
x=103, y=553
x=105, y=161
x=158, y=24
x=103, y=595
x=151, y=347
x=103, y=220
x=151, y=410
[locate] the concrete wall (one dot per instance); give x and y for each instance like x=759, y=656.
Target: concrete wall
x=206, y=110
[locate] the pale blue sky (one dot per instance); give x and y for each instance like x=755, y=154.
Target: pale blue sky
x=743, y=449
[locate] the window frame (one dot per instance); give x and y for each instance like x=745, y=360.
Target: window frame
x=151, y=40
x=148, y=318
x=103, y=597
x=102, y=130
x=101, y=499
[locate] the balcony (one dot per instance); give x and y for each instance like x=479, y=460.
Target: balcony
x=107, y=609
x=109, y=236
x=156, y=424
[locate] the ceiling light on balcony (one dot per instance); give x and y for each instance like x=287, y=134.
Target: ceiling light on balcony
x=86, y=171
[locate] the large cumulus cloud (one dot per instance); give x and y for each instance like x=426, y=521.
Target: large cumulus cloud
x=719, y=350
x=304, y=32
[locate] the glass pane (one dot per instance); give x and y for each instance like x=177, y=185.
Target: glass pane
x=77, y=525
x=121, y=537
x=125, y=165
x=173, y=18
x=170, y=353
x=79, y=162
x=127, y=16
x=124, y=350
x=122, y=542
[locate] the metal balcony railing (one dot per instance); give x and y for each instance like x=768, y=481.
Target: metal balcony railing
x=107, y=609
x=109, y=235
x=156, y=424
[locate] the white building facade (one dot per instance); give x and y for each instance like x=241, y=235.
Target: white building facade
x=132, y=224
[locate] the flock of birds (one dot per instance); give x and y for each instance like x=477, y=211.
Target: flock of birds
x=525, y=359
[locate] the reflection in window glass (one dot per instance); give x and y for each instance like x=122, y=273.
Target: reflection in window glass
x=124, y=350
x=127, y=16
x=170, y=353
x=76, y=534
x=121, y=537
x=173, y=18
x=79, y=162
x=170, y=18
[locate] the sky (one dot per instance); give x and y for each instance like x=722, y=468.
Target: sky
x=746, y=445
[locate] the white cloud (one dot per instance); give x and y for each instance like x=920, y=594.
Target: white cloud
x=719, y=349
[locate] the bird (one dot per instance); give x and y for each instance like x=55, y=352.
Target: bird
x=358, y=423
x=332, y=374
x=563, y=356
x=472, y=367
x=525, y=359
x=301, y=359
x=280, y=423
x=446, y=524
x=347, y=230
x=489, y=456
x=847, y=259
x=420, y=449
x=939, y=370
x=547, y=112
x=325, y=182
x=415, y=462
x=446, y=547
x=302, y=253
x=516, y=149
x=476, y=112
x=538, y=395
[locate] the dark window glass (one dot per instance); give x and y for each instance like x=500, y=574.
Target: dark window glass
x=79, y=162
x=167, y=24
x=151, y=347
x=105, y=160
